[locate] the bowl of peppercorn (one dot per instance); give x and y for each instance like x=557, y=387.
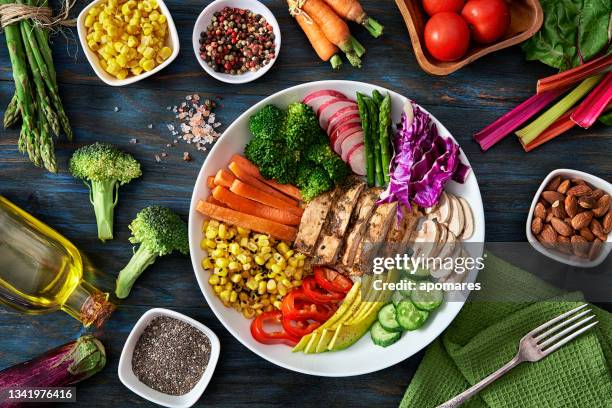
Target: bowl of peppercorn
x=236, y=41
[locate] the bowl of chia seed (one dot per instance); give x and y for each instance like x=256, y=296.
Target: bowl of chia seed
x=236, y=41
x=169, y=358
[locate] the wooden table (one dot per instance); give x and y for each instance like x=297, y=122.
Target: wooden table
x=465, y=102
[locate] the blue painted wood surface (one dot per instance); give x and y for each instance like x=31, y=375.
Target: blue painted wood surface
x=465, y=102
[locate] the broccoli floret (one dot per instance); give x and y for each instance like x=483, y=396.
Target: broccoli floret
x=267, y=123
x=313, y=181
x=301, y=126
x=324, y=156
x=104, y=168
x=159, y=231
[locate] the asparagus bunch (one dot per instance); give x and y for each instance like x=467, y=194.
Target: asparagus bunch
x=36, y=101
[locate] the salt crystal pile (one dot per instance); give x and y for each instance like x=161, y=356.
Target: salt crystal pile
x=197, y=122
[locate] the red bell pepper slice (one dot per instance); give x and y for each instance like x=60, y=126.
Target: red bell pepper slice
x=297, y=306
x=332, y=280
x=260, y=334
x=299, y=328
x=317, y=294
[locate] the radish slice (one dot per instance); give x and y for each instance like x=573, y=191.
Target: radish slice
x=318, y=98
x=341, y=113
x=330, y=107
x=349, y=144
x=343, y=131
x=357, y=161
x=346, y=135
x=346, y=119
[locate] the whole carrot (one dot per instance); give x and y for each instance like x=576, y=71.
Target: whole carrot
x=352, y=11
x=333, y=26
x=324, y=48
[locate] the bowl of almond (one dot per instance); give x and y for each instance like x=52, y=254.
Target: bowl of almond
x=570, y=218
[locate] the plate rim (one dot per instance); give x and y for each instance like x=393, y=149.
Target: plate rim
x=194, y=246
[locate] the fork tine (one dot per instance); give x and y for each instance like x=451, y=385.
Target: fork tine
x=568, y=339
x=565, y=331
x=556, y=319
x=560, y=325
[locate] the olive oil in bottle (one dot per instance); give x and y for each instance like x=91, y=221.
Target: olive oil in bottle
x=41, y=271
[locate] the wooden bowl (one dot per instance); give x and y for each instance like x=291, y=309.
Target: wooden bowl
x=527, y=18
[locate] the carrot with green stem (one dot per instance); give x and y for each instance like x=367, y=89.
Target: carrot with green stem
x=352, y=11
x=333, y=27
x=322, y=46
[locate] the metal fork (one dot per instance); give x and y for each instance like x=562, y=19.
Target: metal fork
x=536, y=345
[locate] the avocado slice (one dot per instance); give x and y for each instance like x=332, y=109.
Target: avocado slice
x=328, y=333
x=348, y=334
x=312, y=343
x=302, y=343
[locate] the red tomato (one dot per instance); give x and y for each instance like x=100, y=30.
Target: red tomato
x=438, y=6
x=447, y=36
x=488, y=19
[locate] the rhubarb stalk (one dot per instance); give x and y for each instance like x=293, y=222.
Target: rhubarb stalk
x=594, y=104
x=505, y=125
x=575, y=75
x=560, y=126
x=534, y=129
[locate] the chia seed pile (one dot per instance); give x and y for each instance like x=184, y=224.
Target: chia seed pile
x=171, y=356
x=237, y=41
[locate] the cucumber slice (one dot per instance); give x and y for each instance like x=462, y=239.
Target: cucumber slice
x=427, y=300
x=419, y=274
x=406, y=292
x=386, y=317
x=382, y=337
x=396, y=298
x=409, y=317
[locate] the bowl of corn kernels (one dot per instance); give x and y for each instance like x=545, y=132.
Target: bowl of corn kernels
x=127, y=40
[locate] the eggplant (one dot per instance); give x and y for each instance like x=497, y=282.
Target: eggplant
x=63, y=366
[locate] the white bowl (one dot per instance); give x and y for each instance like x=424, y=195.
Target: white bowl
x=172, y=41
x=556, y=255
x=363, y=357
x=129, y=379
x=203, y=21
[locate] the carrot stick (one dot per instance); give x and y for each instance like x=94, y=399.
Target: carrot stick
x=258, y=184
x=224, y=178
x=323, y=47
x=252, y=193
x=333, y=26
x=251, y=222
x=352, y=11
x=210, y=181
x=212, y=200
x=235, y=202
x=250, y=168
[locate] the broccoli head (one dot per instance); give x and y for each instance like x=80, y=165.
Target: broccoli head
x=325, y=157
x=159, y=231
x=274, y=159
x=313, y=181
x=301, y=126
x=267, y=123
x=104, y=168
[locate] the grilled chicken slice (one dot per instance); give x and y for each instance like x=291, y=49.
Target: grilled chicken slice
x=361, y=216
x=377, y=230
x=337, y=224
x=312, y=222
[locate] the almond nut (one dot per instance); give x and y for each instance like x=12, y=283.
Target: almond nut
x=586, y=202
x=578, y=181
x=602, y=206
x=595, y=248
x=564, y=186
x=553, y=184
x=571, y=206
x=540, y=211
x=582, y=219
x=597, y=193
x=558, y=210
x=580, y=246
x=597, y=229
x=552, y=196
x=579, y=190
x=549, y=216
x=606, y=223
x=564, y=244
x=586, y=234
x=548, y=236
x=536, y=225
x=561, y=227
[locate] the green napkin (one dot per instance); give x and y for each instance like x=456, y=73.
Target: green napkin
x=485, y=335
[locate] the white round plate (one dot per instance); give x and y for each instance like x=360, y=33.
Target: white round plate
x=363, y=357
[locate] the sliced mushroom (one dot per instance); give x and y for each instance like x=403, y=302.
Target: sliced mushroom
x=444, y=208
x=448, y=248
x=431, y=210
x=468, y=229
x=457, y=220
x=426, y=238
x=445, y=274
x=437, y=247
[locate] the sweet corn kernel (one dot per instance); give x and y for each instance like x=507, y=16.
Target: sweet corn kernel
x=213, y=280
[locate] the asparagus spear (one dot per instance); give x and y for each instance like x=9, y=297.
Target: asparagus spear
x=373, y=115
x=384, y=123
x=369, y=150
x=12, y=114
x=377, y=97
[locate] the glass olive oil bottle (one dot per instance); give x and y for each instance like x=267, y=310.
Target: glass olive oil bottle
x=41, y=271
